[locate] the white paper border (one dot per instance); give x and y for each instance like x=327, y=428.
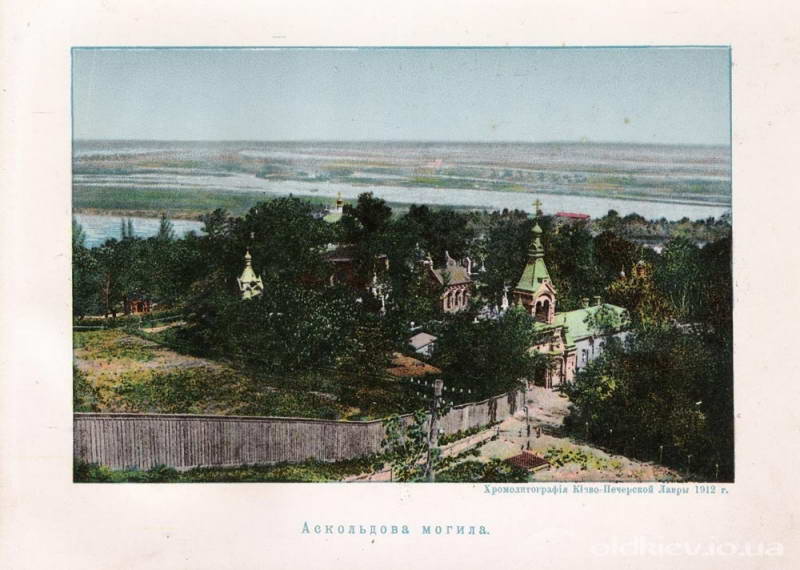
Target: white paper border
x=47, y=521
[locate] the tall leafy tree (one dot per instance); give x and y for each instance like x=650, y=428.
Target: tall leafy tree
x=636, y=291
x=487, y=356
x=166, y=231
x=284, y=238
x=507, y=241
x=368, y=217
x=678, y=275
x=715, y=288
x=85, y=275
x=363, y=230
x=570, y=256
x=659, y=388
x=441, y=230
x=614, y=255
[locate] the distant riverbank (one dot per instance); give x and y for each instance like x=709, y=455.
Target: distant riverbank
x=187, y=195
x=99, y=228
x=185, y=179
x=152, y=213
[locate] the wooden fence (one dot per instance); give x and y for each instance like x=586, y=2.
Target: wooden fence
x=184, y=441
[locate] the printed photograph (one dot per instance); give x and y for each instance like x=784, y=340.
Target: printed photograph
x=424, y=264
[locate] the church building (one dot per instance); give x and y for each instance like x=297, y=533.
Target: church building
x=335, y=214
x=250, y=284
x=454, y=281
x=571, y=339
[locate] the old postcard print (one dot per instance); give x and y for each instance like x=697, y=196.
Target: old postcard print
x=395, y=265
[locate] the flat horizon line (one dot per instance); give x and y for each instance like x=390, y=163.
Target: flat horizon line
x=401, y=141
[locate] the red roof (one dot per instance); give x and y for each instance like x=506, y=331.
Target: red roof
x=528, y=460
x=406, y=366
x=573, y=215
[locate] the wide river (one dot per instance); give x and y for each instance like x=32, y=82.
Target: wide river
x=98, y=228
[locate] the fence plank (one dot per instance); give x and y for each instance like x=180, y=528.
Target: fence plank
x=183, y=441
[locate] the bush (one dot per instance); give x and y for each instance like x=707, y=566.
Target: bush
x=161, y=474
x=446, y=439
x=83, y=472
x=664, y=394
x=309, y=471
x=85, y=397
x=560, y=456
x=496, y=471
x=126, y=321
x=112, y=345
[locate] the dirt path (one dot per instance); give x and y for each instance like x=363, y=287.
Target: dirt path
x=450, y=450
x=164, y=327
x=547, y=410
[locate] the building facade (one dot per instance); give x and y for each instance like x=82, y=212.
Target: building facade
x=570, y=339
x=136, y=304
x=335, y=214
x=455, y=282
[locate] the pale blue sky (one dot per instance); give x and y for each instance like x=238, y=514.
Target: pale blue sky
x=647, y=95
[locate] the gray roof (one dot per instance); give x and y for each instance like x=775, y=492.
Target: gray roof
x=453, y=273
x=421, y=340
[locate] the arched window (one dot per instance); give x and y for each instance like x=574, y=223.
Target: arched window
x=543, y=311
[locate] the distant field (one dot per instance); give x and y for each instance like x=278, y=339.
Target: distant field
x=185, y=179
x=150, y=202
x=178, y=204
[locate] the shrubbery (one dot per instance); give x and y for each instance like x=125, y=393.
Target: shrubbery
x=309, y=471
x=84, y=396
x=495, y=471
x=559, y=456
x=664, y=394
x=666, y=387
x=112, y=345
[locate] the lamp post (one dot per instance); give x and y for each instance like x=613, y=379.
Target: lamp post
x=527, y=421
x=433, y=433
x=527, y=427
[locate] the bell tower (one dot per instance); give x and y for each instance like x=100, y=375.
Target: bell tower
x=535, y=290
x=250, y=284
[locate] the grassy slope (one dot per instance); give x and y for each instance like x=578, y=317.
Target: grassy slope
x=131, y=374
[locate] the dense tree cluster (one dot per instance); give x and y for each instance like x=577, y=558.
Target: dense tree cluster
x=106, y=277
x=636, y=227
x=679, y=352
x=666, y=392
x=488, y=356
